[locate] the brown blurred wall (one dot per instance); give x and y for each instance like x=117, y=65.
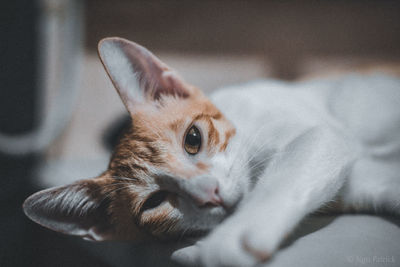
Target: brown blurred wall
x=284, y=32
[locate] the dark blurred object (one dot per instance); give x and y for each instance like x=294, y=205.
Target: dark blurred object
x=282, y=32
x=17, y=110
x=18, y=89
x=22, y=242
x=115, y=131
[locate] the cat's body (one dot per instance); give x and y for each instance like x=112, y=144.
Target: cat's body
x=249, y=168
x=364, y=111
x=345, y=135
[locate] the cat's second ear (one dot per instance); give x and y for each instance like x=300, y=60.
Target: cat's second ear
x=78, y=209
x=137, y=74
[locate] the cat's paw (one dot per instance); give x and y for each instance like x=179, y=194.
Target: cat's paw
x=239, y=246
x=255, y=245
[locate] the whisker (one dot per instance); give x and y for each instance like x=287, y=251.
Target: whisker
x=183, y=233
x=123, y=178
x=113, y=191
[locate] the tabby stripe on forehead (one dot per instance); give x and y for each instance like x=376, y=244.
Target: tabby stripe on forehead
x=213, y=135
x=175, y=125
x=228, y=136
x=215, y=116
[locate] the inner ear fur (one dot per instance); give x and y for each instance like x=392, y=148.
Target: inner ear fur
x=137, y=74
x=79, y=209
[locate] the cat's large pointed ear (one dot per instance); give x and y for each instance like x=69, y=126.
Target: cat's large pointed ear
x=137, y=74
x=78, y=209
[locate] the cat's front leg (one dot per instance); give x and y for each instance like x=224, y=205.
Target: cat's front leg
x=223, y=247
x=246, y=238
x=301, y=178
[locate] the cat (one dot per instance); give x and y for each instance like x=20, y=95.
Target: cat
x=244, y=166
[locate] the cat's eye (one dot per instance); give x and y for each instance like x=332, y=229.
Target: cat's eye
x=155, y=200
x=192, y=143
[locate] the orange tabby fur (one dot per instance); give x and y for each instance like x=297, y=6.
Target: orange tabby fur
x=155, y=137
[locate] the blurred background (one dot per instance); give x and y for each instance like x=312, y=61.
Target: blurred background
x=58, y=110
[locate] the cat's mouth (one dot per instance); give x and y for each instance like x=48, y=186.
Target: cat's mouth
x=228, y=208
x=229, y=204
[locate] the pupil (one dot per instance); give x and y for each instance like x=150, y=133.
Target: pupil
x=192, y=141
x=193, y=138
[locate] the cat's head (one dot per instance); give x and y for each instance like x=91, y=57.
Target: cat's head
x=173, y=172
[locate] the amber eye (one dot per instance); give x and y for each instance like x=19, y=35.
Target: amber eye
x=192, y=141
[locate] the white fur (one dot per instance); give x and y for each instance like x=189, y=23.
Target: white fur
x=120, y=70
x=316, y=141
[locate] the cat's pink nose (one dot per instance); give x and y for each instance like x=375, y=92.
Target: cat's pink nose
x=210, y=197
x=202, y=190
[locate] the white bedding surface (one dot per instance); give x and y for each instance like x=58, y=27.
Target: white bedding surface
x=345, y=240
x=320, y=241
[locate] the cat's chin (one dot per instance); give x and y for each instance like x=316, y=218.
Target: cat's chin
x=203, y=220
x=215, y=216
x=219, y=211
